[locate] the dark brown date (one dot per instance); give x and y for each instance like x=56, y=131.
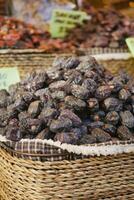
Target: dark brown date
x=124, y=133
x=75, y=103
x=35, y=108
x=80, y=92
x=60, y=125
x=113, y=104
x=112, y=118
x=127, y=119
x=100, y=135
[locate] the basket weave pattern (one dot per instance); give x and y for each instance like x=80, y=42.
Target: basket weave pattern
x=110, y=177
x=28, y=61
x=116, y=66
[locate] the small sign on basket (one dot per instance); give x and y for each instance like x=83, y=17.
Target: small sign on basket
x=64, y=20
x=8, y=76
x=130, y=44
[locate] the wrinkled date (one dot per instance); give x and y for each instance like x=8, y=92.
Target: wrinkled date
x=82, y=103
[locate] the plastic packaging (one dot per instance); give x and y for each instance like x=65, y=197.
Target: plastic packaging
x=38, y=12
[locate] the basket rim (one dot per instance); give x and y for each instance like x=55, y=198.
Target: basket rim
x=10, y=150
x=97, y=149
x=99, y=54
x=93, y=49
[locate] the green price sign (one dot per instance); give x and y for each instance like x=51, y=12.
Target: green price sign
x=130, y=44
x=8, y=76
x=62, y=21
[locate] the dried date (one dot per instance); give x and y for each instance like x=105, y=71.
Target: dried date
x=70, y=62
x=87, y=64
x=74, y=77
x=80, y=92
x=60, y=125
x=3, y=98
x=112, y=118
x=116, y=84
x=38, y=82
x=100, y=135
x=45, y=96
x=124, y=94
x=28, y=97
x=58, y=95
x=87, y=139
x=76, y=121
x=35, y=108
x=35, y=126
x=20, y=105
x=92, y=75
x=98, y=116
x=3, y=117
x=47, y=114
x=127, y=119
x=113, y=104
x=54, y=75
x=75, y=103
x=109, y=128
x=14, y=134
x=93, y=104
x=124, y=133
x=57, y=85
x=44, y=134
x=94, y=125
x=90, y=85
x=103, y=92
x=66, y=137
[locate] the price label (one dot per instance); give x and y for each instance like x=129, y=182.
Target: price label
x=130, y=44
x=64, y=20
x=8, y=76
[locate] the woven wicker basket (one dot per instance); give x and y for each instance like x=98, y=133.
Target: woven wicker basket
x=95, y=178
x=29, y=60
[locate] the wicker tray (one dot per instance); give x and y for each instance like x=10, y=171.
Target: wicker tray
x=99, y=177
x=29, y=60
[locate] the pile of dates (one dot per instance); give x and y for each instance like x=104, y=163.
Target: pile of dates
x=75, y=102
x=107, y=28
x=15, y=34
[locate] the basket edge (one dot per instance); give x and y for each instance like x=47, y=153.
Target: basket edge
x=108, y=148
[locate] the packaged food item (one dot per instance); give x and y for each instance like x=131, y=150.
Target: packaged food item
x=37, y=13
x=71, y=109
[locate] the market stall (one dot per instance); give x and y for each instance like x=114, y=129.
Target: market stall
x=67, y=100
